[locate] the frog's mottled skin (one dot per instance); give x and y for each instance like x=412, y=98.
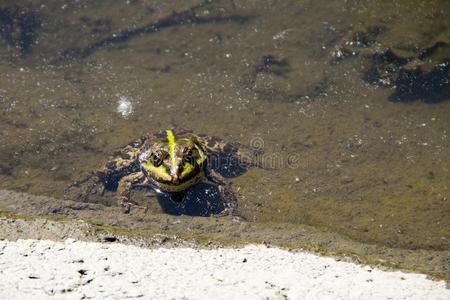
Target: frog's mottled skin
x=170, y=163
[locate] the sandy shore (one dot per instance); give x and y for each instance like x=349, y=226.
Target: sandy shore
x=41, y=269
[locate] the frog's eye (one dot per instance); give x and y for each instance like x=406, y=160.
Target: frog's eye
x=157, y=157
x=189, y=155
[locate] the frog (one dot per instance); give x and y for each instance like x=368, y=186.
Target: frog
x=170, y=163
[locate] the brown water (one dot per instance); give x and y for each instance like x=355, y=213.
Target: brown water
x=353, y=154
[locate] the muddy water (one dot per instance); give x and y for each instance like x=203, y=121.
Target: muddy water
x=349, y=101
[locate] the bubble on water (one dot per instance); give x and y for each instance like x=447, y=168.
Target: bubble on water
x=124, y=106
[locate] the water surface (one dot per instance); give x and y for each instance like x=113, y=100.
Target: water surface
x=357, y=92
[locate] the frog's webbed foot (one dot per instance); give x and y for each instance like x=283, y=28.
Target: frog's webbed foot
x=226, y=193
x=126, y=184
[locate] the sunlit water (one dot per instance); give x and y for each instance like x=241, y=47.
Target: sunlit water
x=349, y=148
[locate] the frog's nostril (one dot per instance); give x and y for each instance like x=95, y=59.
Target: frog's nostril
x=175, y=179
x=175, y=174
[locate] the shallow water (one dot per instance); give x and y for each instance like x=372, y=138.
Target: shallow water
x=355, y=141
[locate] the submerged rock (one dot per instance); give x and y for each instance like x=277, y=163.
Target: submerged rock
x=411, y=54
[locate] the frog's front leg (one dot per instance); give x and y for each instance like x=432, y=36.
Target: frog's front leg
x=246, y=156
x=225, y=190
x=124, y=189
x=108, y=174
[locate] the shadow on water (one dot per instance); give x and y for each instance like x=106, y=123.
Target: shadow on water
x=414, y=71
x=19, y=27
x=175, y=19
x=410, y=82
x=431, y=87
x=202, y=200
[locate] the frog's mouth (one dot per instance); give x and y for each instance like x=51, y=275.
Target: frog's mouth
x=168, y=181
x=171, y=187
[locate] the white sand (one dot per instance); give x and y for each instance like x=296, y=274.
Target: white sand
x=31, y=269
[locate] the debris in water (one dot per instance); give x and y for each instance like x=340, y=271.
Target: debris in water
x=124, y=107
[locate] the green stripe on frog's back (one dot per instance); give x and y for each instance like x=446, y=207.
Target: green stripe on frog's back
x=171, y=146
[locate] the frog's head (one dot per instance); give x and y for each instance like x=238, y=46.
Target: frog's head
x=174, y=161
